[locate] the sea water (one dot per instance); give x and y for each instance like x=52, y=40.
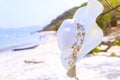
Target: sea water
x=18, y=36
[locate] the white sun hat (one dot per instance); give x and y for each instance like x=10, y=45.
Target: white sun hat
x=78, y=36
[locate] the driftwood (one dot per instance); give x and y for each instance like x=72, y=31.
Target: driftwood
x=109, y=44
x=34, y=62
x=25, y=48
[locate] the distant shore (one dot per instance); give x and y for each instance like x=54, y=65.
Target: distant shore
x=42, y=36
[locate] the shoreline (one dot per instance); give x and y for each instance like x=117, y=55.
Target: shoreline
x=15, y=46
x=42, y=35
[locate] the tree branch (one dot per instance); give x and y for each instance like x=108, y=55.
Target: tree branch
x=114, y=19
x=108, y=11
x=108, y=3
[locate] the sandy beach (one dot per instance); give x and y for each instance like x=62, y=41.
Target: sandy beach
x=43, y=63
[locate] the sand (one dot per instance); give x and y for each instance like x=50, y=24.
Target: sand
x=43, y=63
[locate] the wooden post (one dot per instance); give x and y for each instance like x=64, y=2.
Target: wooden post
x=72, y=72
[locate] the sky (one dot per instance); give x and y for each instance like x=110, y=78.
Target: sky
x=22, y=13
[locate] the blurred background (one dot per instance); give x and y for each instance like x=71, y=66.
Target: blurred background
x=28, y=41
x=21, y=20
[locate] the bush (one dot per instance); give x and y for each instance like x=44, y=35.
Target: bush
x=116, y=43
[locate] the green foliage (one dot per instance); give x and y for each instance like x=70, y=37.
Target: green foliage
x=107, y=20
x=114, y=2
x=57, y=22
x=103, y=20
x=54, y=25
x=96, y=50
x=113, y=54
x=84, y=4
x=116, y=43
